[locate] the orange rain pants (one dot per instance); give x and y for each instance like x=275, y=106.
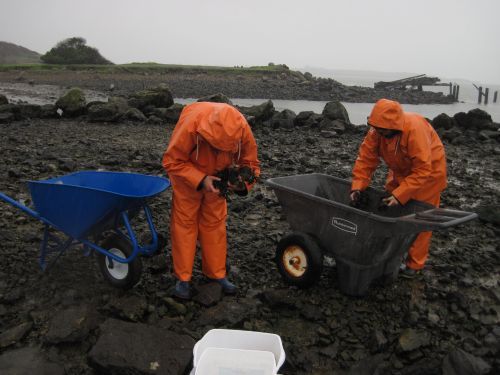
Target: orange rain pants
x=208, y=137
x=415, y=158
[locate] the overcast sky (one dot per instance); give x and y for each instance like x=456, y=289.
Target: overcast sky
x=446, y=38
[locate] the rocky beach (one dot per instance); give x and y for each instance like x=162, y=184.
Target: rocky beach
x=68, y=320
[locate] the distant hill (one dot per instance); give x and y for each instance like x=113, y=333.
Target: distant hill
x=13, y=54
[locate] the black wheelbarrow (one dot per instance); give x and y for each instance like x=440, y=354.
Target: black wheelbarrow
x=83, y=206
x=366, y=244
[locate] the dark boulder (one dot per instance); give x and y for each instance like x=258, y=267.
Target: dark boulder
x=15, y=334
x=73, y=103
x=336, y=111
x=173, y=113
x=450, y=134
x=489, y=214
x=6, y=117
x=48, y=111
x=216, y=98
x=475, y=119
x=28, y=111
x=261, y=112
x=134, y=348
x=461, y=119
x=337, y=126
x=478, y=119
x=459, y=362
x=443, y=121
x=284, y=119
x=158, y=97
x=411, y=339
x=71, y=325
x=486, y=135
x=111, y=111
x=28, y=361
x=3, y=100
x=134, y=114
x=302, y=118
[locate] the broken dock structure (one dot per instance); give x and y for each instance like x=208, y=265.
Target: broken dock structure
x=417, y=83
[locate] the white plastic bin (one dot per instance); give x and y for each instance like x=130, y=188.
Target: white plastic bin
x=222, y=361
x=240, y=340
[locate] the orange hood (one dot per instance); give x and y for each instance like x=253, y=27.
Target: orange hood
x=387, y=114
x=221, y=125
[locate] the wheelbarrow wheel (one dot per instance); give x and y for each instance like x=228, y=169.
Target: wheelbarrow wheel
x=120, y=275
x=299, y=259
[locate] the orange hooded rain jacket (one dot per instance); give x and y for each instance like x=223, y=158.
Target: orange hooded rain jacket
x=208, y=138
x=416, y=161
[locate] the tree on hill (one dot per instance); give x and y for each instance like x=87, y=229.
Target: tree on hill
x=73, y=51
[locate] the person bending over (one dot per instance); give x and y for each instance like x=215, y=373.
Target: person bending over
x=208, y=138
x=415, y=156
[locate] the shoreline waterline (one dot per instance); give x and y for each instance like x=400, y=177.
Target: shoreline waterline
x=359, y=111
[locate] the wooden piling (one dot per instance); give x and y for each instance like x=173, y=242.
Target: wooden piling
x=480, y=96
x=486, y=93
x=495, y=97
x=456, y=93
x=451, y=92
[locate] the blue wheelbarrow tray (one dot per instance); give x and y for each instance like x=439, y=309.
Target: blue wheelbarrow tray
x=366, y=244
x=84, y=204
x=81, y=203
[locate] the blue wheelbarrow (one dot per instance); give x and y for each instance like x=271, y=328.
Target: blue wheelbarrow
x=86, y=204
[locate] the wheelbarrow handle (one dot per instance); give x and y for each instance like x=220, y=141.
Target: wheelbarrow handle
x=439, y=218
x=20, y=206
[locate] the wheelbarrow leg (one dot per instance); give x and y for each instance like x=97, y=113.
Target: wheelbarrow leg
x=60, y=248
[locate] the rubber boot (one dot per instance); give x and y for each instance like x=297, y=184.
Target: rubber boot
x=182, y=290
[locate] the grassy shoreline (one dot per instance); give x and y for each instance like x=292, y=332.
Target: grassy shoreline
x=145, y=67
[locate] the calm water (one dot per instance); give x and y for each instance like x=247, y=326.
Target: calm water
x=359, y=111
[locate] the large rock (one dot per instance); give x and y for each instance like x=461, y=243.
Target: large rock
x=72, y=325
x=112, y=111
x=303, y=117
x=173, y=113
x=284, y=119
x=48, y=111
x=29, y=111
x=336, y=111
x=130, y=307
x=3, y=100
x=228, y=313
x=27, y=361
x=158, y=97
x=489, y=214
x=261, y=112
x=478, y=119
x=338, y=126
x=134, y=114
x=450, y=134
x=411, y=339
x=443, y=121
x=133, y=348
x=15, y=334
x=73, y=103
x=216, y=98
x=475, y=119
x=6, y=117
x=9, y=108
x=460, y=362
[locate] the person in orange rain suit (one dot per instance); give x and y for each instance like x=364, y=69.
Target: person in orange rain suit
x=208, y=138
x=416, y=160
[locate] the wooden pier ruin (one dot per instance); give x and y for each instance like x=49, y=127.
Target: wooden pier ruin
x=417, y=83
x=484, y=94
